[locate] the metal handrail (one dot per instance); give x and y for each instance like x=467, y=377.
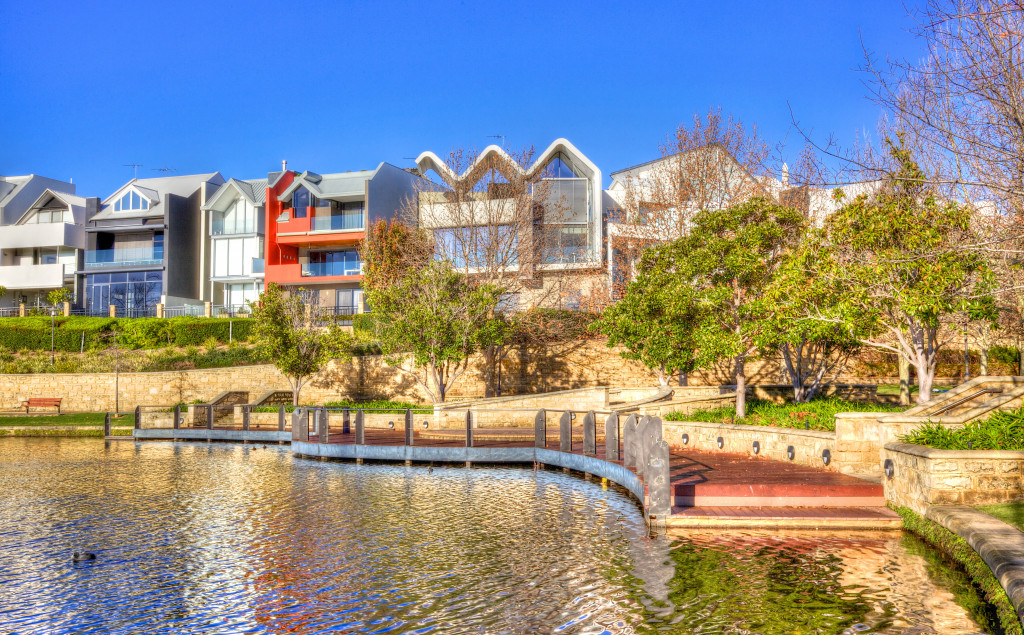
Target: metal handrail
x=963, y=400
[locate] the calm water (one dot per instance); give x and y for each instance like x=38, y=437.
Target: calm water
x=193, y=538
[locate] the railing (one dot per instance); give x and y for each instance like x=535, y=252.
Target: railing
x=321, y=269
x=10, y=312
x=231, y=310
x=220, y=228
x=963, y=400
x=187, y=310
x=139, y=256
x=338, y=222
x=135, y=311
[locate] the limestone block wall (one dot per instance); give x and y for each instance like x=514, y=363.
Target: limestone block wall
x=808, y=445
x=520, y=410
x=860, y=437
x=922, y=476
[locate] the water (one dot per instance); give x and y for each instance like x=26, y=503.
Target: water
x=195, y=538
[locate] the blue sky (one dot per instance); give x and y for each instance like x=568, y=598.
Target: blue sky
x=86, y=87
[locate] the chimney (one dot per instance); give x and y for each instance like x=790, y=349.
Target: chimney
x=785, y=175
x=284, y=166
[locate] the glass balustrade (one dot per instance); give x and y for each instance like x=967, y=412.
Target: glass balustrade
x=130, y=257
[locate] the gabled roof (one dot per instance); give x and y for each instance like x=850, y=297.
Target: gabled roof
x=496, y=157
x=331, y=185
x=16, y=193
x=70, y=200
x=154, y=190
x=252, y=190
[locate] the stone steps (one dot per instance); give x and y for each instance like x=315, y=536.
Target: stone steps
x=834, y=518
x=753, y=494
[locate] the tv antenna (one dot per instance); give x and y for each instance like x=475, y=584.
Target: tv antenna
x=498, y=136
x=136, y=166
x=164, y=170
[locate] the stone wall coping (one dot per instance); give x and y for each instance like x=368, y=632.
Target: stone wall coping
x=817, y=434
x=662, y=393
x=926, y=452
x=492, y=400
x=999, y=545
x=859, y=415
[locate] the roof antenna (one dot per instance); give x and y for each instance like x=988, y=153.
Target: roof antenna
x=164, y=170
x=498, y=136
x=136, y=166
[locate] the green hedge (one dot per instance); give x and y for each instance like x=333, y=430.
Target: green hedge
x=33, y=333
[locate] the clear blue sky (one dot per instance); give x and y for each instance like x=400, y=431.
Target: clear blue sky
x=86, y=87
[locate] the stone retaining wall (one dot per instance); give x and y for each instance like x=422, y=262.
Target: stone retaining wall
x=808, y=445
x=922, y=476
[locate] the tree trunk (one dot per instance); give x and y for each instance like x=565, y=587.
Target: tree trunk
x=662, y=376
x=925, y=379
x=795, y=378
x=296, y=389
x=684, y=379
x=984, y=362
x=904, y=381
x=490, y=374
x=741, y=389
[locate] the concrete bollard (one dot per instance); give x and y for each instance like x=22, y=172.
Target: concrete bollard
x=408, y=427
x=177, y=417
x=540, y=429
x=245, y=417
x=639, y=445
x=656, y=480
x=346, y=424
x=280, y=419
x=590, y=434
x=138, y=417
x=565, y=432
x=300, y=425
x=469, y=428
x=629, y=440
x=66, y=309
x=611, y=437
x=106, y=425
x=360, y=429
x=323, y=426
x=209, y=417
x=652, y=435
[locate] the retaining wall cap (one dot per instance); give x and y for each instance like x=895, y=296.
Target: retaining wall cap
x=935, y=453
x=817, y=434
x=537, y=395
x=858, y=415
x=999, y=545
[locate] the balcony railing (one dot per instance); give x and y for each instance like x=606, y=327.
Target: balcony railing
x=338, y=222
x=219, y=227
x=138, y=256
x=322, y=269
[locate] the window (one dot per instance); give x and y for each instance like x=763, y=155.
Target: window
x=130, y=202
x=300, y=201
x=234, y=256
x=347, y=301
x=563, y=244
x=51, y=216
x=337, y=216
x=477, y=246
x=240, y=218
x=139, y=290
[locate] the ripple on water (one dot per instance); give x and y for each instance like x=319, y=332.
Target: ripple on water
x=241, y=539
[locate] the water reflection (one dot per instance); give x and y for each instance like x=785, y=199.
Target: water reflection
x=244, y=539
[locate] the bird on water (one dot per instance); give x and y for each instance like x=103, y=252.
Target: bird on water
x=82, y=557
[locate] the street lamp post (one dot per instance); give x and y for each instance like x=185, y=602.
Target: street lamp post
x=53, y=317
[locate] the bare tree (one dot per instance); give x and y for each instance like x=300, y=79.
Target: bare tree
x=710, y=163
x=509, y=223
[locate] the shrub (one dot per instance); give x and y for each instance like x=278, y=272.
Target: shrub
x=818, y=414
x=195, y=331
x=142, y=332
x=1001, y=431
x=210, y=343
x=33, y=333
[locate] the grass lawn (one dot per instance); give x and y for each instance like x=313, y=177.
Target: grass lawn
x=78, y=419
x=1011, y=513
x=819, y=414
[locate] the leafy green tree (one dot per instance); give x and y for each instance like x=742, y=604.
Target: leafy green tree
x=909, y=276
x=650, y=324
x=813, y=352
x=715, y=280
x=433, y=319
x=297, y=335
x=58, y=296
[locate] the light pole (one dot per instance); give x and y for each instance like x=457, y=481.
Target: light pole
x=53, y=317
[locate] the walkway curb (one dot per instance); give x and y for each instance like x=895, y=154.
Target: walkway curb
x=1000, y=545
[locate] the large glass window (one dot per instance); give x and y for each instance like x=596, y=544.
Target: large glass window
x=332, y=263
x=51, y=216
x=235, y=256
x=347, y=301
x=478, y=246
x=338, y=216
x=240, y=294
x=563, y=244
x=131, y=201
x=240, y=218
x=138, y=291
x=565, y=200
x=300, y=201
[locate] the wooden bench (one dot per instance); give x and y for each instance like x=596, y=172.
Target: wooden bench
x=42, y=402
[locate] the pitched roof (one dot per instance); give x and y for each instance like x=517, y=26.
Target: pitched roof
x=252, y=190
x=155, y=189
x=331, y=185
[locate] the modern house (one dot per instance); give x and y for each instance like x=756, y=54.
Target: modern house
x=551, y=211
x=129, y=239
x=42, y=237
x=236, y=225
x=315, y=223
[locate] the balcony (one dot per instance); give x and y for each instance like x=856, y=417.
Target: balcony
x=325, y=269
x=221, y=228
x=34, y=276
x=344, y=222
x=133, y=257
x=42, y=235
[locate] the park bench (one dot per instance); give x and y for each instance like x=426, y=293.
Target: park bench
x=42, y=402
